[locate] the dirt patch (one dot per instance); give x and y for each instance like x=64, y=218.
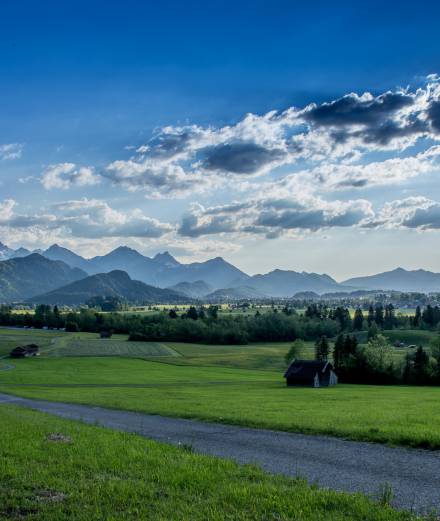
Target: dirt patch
x=57, y=437
x=50, y=496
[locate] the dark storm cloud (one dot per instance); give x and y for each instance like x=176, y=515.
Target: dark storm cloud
x=382, y=134
x=426, y=218
x=434, y=115
x=293, y=219
x=191, y=227
x=272, y=216
x=240, y=158
x=309, y=219
x=353, y=110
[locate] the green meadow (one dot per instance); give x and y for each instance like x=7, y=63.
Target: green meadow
x=87, y=473
x=396, y=415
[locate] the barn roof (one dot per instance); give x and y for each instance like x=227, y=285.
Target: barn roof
x=306, y=369
x=28, y=347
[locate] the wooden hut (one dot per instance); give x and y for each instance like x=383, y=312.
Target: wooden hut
x=25, y=351
x=310, y=373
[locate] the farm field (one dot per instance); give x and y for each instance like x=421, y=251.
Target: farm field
x=267, y=355
x=10, y=338
x=94, y=474
x=397, y=415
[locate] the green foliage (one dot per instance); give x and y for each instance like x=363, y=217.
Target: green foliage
x=322, y=349
x=378, y=355
x=358, y=320
x=72, y=327
x=373, y=331
x=295, y=351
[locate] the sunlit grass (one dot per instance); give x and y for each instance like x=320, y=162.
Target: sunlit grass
x=87, y=473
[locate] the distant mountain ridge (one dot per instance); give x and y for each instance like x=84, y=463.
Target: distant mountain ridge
x=24, y=277
x=197, y=279
x=117, y=283
x=399, y=280
x=284, y=283
x=197, y=289
x=59, y=253
x=8, y=253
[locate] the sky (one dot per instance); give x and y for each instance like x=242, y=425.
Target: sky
x=291, y=135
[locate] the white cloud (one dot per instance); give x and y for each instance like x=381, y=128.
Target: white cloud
x=66, y=175
x=274, y=216
x=93, y=218
x=85, y=218
x=11, y=151
x=419, y=213
x=331, y=139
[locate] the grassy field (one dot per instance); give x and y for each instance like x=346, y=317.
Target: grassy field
x=416, y=337
x=10, y=338
x=390, y=414
x=231, y=384
x=268, y=356
x=94, y=474
x=77, y=345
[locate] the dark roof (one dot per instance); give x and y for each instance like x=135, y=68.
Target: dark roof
x=306, y=369
x=27, y=348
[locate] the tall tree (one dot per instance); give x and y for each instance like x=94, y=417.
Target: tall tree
x=370, y=318
x=378, y=316
x=417, y=317
x=358, y=320
x=421, y=368
x=339, y=352
x=322, y=349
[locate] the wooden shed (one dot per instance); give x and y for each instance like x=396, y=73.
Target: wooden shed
x=310, y=373
x=25, y=351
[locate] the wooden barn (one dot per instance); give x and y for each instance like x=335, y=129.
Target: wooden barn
x=310, y=373
x=25, y=351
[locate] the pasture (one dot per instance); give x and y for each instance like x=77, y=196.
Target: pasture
x=92, y=473
x=231, y=384
x=397, y=415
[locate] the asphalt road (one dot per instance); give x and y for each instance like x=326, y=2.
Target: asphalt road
x=414, y=475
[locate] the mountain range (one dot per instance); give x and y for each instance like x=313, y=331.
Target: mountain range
x=114, y=284
x=24, y=277
x=399, y=280
x=25, y=274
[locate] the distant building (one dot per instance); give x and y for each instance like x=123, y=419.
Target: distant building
x=310, y=373
x=25, y=351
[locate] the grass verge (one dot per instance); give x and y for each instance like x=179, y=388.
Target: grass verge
x=56, y=469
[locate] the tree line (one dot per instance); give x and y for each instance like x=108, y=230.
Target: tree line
x=374, y=362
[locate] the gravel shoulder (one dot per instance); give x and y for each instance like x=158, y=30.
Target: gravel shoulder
x=329, y=462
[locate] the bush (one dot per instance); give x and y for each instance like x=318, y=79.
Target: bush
x=72, y=327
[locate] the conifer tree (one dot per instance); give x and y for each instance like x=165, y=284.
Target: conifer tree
x=322, y=349
x=370, y=318
x=358, y=320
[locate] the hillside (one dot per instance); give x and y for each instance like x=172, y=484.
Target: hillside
x=280, y=283
x=216, y=272
x=196, y=289
x=24, y=277
x=399, y=280
x=117, y=283
x=238, y=293
x=56, y=252
x=163, y=270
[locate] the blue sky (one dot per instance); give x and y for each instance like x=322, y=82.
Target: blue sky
x=125, y=123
